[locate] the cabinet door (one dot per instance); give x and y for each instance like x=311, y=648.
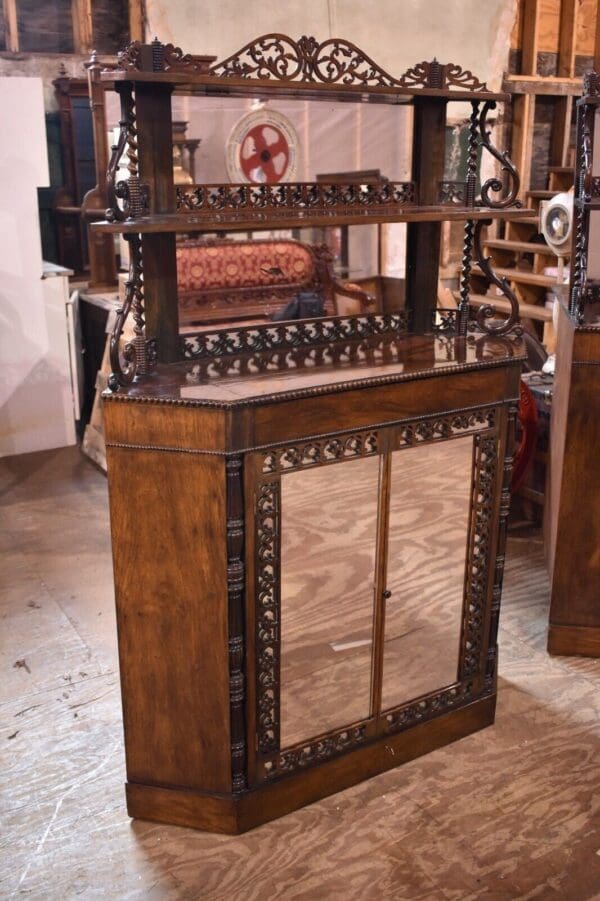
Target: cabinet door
x=327, y=597
x=429, y=506
x=370, y=584
x=313, y=586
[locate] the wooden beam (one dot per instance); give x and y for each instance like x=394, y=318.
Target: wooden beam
x=11, y=31
x=533, y=84
x=81, y=14
x=561, y=131
x=522, y=138
x=136, y=20
x=566, y=37
x=530, y=38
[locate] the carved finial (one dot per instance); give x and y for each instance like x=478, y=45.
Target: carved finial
x=62, y=70
x=157, y=55
x=591, y=83
x=435, y=77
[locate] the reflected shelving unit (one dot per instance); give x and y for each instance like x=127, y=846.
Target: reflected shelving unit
x=308, y=517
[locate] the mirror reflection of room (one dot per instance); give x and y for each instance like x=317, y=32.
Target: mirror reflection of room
x=246, y=278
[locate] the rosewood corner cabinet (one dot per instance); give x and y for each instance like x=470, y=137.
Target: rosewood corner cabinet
x=308, y=517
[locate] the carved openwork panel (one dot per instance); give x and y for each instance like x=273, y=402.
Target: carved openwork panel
x=303, y=333
x=440, y=702
x=444, y=427
x=479, y=553
x=335, y=61
x=319, y=452
x=317, y=751
x=290, y=198
x=267, y=609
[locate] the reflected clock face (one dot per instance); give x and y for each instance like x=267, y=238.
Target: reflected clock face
x=262, y=149
x=557, y=224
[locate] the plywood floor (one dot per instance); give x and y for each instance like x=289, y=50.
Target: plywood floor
x=512, y=812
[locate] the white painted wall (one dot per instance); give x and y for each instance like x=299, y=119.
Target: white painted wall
x=36, y=406
x=395, y=33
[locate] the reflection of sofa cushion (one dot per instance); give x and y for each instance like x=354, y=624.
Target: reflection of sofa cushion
x=247, y=264
x=221, y=279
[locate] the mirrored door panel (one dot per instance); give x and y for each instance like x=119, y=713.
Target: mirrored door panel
x=328, y=538
x=430, y=491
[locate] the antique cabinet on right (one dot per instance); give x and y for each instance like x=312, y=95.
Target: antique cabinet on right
x=574, y=519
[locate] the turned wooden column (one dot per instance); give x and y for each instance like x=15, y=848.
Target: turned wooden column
x=155, y=141
x=424, y=238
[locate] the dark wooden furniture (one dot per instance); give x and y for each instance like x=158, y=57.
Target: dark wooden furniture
x=82, y=198
x=308, y=518
x=573, y=539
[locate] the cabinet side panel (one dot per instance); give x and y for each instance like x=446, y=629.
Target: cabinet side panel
x=169, y=550
x=576, y=574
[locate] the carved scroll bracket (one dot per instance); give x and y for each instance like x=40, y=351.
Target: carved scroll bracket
x=134, y=358
x=494, y=184
x=486, y=312
x=126, y=198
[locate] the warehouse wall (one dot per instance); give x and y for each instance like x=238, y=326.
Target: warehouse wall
x=396, y=34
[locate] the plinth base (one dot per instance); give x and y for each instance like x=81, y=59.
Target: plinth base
x=568, y=641
x=233, y=815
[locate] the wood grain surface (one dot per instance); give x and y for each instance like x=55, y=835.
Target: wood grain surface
x=508, y=813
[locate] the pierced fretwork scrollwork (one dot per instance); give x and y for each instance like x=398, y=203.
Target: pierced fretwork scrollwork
x=494, y=184
x=133, y=359
x=335, y=61
x=317, y=751
x=158, y=57
x=415, y=712
x=125, y=198
x=276, y=56
x=268, y=607
x=247, y=201
x=476, y=588
x=303, y=333
x=486, y=312
x=440, y=428
x=320, y=451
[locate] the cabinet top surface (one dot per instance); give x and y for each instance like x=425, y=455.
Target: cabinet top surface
x=264, y=377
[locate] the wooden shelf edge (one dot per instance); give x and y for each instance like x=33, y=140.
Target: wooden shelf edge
x=175, y=222
x=527, y=310
x=535, y=84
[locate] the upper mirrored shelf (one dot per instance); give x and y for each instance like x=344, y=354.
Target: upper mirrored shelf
x=231, y=219
x=276, y=63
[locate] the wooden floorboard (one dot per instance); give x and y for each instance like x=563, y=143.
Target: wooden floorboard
x=510, y=812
